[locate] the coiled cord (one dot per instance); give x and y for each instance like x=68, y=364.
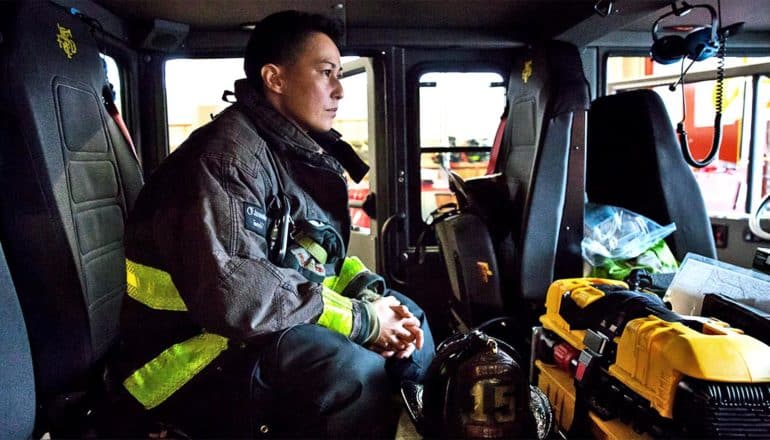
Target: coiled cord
x=720, y=86
x=717, y=139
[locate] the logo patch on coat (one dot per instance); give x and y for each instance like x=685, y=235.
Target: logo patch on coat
x=254, y=218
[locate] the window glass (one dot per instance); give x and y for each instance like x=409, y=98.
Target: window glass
x=353, y=122
x=194, y=89
x=194, y=93
x=113, y=76
x=724, y=183
x=459, y=115
x=623, y=70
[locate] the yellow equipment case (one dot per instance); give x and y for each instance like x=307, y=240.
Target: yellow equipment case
x=618, y=364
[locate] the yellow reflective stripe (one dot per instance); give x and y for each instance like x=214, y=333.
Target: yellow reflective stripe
x=351, y=267
x=313, y=248
x=338, y=312
x=152, y=287
x=161, y=377
x=330, y=283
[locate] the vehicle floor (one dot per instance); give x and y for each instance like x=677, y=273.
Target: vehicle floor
x=406, y=429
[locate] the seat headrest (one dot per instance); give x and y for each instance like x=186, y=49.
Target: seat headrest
x=547, y=81
x=636, y=117
x=45, y=41
x=550, y=69
x=634, y=160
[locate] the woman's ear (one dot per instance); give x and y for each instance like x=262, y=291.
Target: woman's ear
x=272, y=78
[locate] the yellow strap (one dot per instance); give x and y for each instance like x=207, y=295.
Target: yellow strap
x=338, y=312
x=153, y=288
x=313, y=248
x=351, y=267
x=161, y=377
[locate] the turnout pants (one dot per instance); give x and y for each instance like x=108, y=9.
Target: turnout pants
x=305, y=381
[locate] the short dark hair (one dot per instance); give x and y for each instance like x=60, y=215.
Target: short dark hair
x=278, y=38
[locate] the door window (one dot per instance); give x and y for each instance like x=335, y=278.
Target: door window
x=113, y=76
x=459, y=116
x=194, y=93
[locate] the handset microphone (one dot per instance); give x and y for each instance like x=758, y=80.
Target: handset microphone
x=682, y=134
x=679, y=80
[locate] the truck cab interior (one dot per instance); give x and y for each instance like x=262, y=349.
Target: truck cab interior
x=559, y=99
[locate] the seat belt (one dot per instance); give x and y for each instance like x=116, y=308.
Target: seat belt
x=498, y=142
x=112, y=109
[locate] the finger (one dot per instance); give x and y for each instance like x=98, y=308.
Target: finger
x=410, y=322
x=402, y=311
x=403, y=333
x=397, y=344
x=418, y=335
x=405, y=353
x=389, y=343
x=419, y=339
x=383, y=348
x=386, y=353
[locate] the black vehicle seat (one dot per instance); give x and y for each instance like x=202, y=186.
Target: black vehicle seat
x=548, y=98
x=69, y=180
x=17, y=401
x=634, y=161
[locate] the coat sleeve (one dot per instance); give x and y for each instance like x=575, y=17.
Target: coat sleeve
x=220, y=266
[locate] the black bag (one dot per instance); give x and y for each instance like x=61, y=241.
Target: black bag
x=469, y=255
x=467, y=237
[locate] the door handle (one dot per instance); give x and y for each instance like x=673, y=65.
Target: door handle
x=398, y=217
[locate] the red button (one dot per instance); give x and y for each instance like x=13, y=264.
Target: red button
x=581, y=370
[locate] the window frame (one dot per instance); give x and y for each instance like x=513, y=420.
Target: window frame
x=127, y=61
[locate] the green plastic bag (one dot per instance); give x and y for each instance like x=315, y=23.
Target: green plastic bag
x=657, y=259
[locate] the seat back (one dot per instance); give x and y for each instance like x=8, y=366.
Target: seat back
x=635, y=161
x=547, y=100
x=17, y=401
x=69, y=180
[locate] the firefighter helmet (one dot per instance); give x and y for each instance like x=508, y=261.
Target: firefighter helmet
x=475, y=388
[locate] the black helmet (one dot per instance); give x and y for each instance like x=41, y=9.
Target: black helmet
x=475, y=388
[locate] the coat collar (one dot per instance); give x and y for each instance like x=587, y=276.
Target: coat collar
x=327, y=148
x=269, y=121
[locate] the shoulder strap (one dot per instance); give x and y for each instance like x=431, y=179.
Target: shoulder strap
x=496, y=145
x=281, y=214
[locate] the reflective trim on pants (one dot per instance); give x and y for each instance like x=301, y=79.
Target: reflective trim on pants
x=161, y=377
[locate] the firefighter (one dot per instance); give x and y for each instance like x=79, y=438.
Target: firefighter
x=243, y=315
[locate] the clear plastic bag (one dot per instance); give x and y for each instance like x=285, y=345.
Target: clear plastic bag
x=611, y=232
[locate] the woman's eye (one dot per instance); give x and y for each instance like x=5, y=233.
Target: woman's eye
x=327, y=72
